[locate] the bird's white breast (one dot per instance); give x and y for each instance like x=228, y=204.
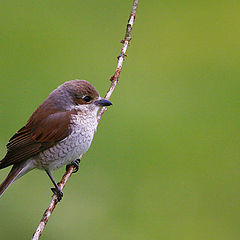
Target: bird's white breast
x=70, y=148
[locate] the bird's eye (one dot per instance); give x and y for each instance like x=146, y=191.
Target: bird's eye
x=87, y=99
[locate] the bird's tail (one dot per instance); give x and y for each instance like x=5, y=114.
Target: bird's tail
x=16, y=172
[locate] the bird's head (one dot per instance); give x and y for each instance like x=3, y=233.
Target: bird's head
x=81, y=95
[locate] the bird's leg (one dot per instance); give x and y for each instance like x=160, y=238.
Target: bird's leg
x=75, y=164
x=57, y=189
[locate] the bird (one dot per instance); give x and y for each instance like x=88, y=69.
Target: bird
x=57, y=133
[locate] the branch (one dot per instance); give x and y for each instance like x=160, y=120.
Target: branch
x=114, y=79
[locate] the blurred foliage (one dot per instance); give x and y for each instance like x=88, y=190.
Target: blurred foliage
x=164, y=163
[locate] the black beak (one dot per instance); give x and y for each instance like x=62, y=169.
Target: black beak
x=103, y=102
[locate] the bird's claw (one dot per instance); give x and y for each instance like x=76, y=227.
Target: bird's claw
x=75, y=165
x=58, y=192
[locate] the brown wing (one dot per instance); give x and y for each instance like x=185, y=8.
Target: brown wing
x=41, y=132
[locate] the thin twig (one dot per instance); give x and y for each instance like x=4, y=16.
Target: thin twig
x=114, y=79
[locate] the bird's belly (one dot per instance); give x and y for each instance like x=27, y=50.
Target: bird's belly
x=67, y=150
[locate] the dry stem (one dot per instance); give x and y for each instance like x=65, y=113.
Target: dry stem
x=114, y=80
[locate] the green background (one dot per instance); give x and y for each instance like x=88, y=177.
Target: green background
x=164, y=163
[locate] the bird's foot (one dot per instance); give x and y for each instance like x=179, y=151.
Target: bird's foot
x=75, y=164
x=58, y=192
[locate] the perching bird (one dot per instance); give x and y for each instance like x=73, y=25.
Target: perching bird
x=57, y=133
